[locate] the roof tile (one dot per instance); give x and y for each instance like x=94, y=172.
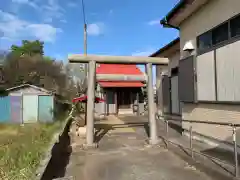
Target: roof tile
x=126, y=69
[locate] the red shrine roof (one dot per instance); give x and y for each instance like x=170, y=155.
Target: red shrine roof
x=84, y=98
x=121, y=84
x=125, y=69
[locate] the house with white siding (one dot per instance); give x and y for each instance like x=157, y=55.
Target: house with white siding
x=171, y=103
x=207, y=64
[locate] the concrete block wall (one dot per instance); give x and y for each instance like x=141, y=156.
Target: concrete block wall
x=212, y=112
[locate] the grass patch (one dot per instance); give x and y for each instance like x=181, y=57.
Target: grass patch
x=22, y=148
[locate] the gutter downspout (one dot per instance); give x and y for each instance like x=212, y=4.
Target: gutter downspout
x=165, y=23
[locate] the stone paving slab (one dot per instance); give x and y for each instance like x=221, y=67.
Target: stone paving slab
x=212, y=167
x=126, y=156
x=130, y=162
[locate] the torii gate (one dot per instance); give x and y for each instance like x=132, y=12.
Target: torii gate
x=92, y=60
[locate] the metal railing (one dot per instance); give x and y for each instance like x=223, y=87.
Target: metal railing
x=234, y=137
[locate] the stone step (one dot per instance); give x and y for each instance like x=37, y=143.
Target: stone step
x=64, y=178
x=125, y=111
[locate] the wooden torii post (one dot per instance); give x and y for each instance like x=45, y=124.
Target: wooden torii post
x=92, y=60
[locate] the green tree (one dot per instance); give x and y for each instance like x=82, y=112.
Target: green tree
x=31, y=66
x=30, y=48
x=47, y=58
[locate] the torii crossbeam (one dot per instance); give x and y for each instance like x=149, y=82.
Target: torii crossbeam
x=92, y=60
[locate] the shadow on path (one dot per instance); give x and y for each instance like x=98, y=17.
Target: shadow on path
x=180, y=145
x=60, y=155
x=175, y=132
x=103, y=129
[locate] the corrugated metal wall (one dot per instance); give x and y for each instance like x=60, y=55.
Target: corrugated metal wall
x=30, y=108
x=16, y=109
x=45, y=108
x=26, y=108
x=5, y=114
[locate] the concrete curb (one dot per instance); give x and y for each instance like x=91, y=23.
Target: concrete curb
x=47, y=157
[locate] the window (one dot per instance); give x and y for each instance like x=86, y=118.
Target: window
x=235, y=26
x=220, y=34
x=205, y=41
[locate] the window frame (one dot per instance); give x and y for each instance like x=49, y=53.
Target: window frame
x=198, y=41
x=230, y=21
x=229, y=40
x=213, y=30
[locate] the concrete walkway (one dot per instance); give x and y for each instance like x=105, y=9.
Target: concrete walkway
x=124, y=155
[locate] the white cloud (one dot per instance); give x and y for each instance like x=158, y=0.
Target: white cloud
x=52, y=10
x=154, y=22
x=20, y=1
x=26, y=2
x=14, y=28
x=54, y=5
x=72, y=4
x=146, y=52
x=63, y=20
x=95, y=29
x=48, y=20
x=59, y=57
x=10, y=25
x=45, y=32
x=48, y=10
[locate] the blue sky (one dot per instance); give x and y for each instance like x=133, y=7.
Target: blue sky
x=124, y=27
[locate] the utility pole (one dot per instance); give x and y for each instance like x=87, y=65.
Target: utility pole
x=86, y=64
x=85, y=47
x=85, y=40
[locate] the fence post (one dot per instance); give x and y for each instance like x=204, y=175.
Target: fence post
x=138, y=110
x=235, y=151
x=167, y=133
x=191, y=139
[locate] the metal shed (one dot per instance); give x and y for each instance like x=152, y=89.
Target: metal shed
x=28, y=103
x=4, y=109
